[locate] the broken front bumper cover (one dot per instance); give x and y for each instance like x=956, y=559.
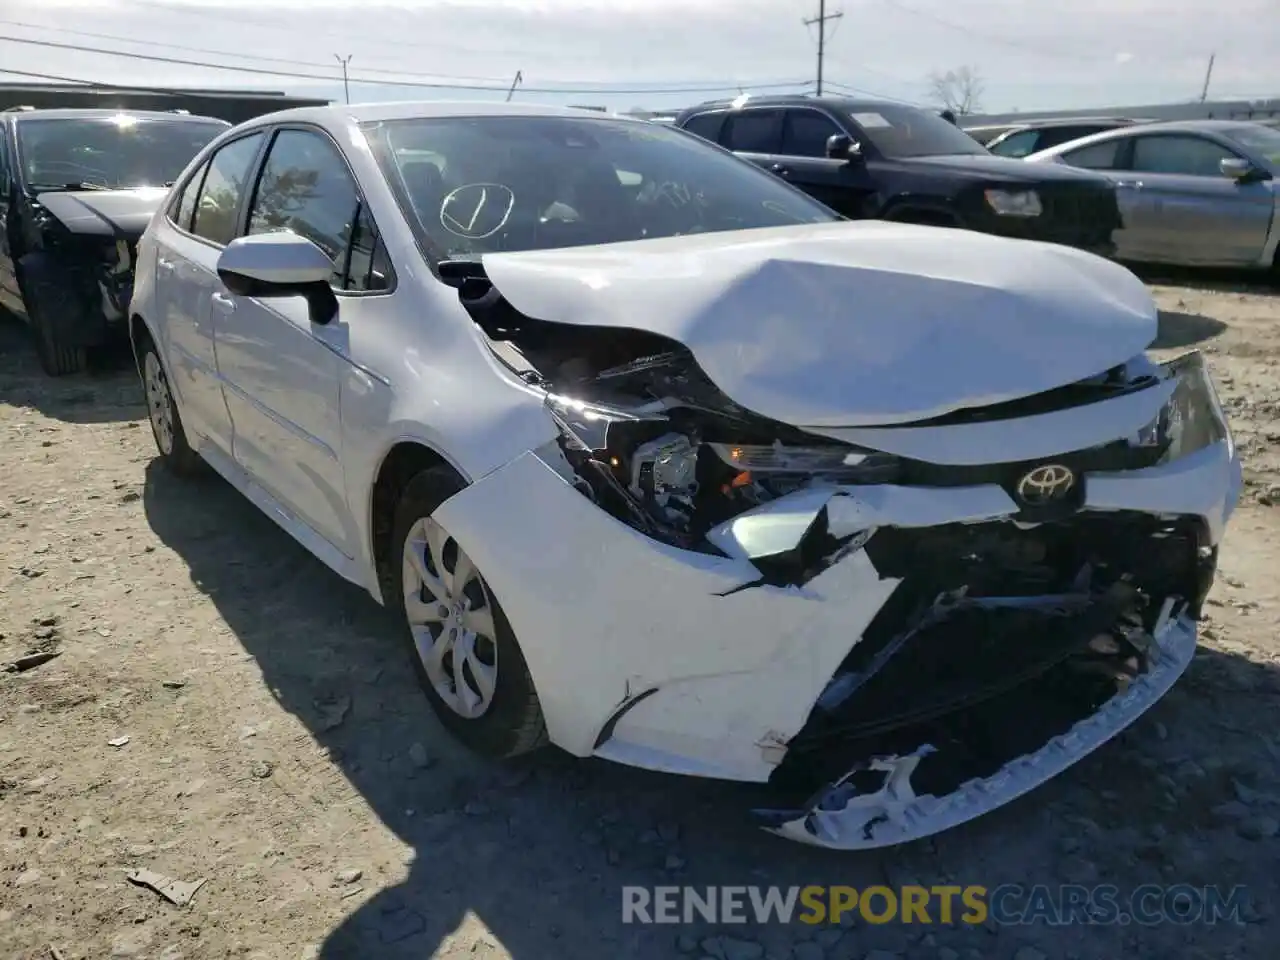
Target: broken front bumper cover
x=712, y=665
x=841, y=817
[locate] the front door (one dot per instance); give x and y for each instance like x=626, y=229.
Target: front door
x=1188, y=211
x=843, y=185
x=281, y=373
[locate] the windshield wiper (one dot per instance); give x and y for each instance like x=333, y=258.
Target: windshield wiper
x=85, y=186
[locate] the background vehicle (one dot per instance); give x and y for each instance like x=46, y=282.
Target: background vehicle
x=1028, y=138
x=1192, y=192
x=77, y=188
x=867, y=159
x=519, y=371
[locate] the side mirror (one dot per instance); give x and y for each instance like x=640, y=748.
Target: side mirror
x=283, y=264
x=1235, y=168
x=841, y=146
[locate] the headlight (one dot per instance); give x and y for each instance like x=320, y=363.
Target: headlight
x=1193, y=417
x=1014, y=203
x=836, y=464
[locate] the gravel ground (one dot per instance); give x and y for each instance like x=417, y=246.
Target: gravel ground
x=278, y=749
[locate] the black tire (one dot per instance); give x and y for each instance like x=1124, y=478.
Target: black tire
x=176, y=454
x=46, y=299
x=512, y=724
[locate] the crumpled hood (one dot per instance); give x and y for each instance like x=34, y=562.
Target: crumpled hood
x=851, y=324
x=104, y=213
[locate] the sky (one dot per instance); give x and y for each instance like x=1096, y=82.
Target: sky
x=659, y=54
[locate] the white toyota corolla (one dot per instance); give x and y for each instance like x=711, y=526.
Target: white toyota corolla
x=661, y=461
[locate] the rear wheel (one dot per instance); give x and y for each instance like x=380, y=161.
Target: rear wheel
x=465, y=653
x=162, y=411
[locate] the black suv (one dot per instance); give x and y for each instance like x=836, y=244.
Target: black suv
x=77, y=189
x=867, y=159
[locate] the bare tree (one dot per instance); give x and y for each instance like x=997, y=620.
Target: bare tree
x=958, y=90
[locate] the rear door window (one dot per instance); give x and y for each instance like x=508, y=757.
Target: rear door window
x=706, y=125
x=217, y=212
x=1096, y=156
x=754, y=131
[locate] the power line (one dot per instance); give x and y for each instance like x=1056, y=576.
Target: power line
x=261, y=58
x=993, y=38
x=370, y=81
x=875, y=94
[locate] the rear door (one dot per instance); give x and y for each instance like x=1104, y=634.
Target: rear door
x=1110, y=158
x=843, y=185
x=203, y=219
x=755, y=134
x=1190, y=213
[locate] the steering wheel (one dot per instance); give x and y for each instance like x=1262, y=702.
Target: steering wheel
x=477, y=211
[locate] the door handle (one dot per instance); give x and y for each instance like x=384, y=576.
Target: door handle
x=779, y=169
x=1133, y=184
x=164, y=264
x=223, y=304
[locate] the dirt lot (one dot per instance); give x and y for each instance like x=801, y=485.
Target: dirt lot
x=278, y=748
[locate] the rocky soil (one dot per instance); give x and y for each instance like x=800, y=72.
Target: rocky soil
x=223, y=709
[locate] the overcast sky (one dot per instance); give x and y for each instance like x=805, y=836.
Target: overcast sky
x=1030, y=53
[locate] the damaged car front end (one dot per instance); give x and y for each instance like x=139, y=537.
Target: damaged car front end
x=83, y=184
x=903, y=574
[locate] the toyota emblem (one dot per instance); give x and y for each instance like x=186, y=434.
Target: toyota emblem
x=1046, y=484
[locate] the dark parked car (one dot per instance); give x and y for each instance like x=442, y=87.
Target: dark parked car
x=77, y=189
x=1028, y=138
x=890, y=161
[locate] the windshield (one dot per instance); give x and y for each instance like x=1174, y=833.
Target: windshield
x=1264, y=141
x=111, y=152
x=476, y=185
x=902, y=131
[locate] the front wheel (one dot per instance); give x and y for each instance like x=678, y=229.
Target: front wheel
x=465, y=653
x=49, y=306
x=166, y=423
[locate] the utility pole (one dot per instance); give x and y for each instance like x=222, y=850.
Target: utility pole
x=519, y=79
x=346, y=89
x=1204, y=91
x=821, y=20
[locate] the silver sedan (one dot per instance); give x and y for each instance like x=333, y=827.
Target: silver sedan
x=1192, y=193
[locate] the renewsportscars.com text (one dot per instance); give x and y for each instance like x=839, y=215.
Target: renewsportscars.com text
x=1007, y=904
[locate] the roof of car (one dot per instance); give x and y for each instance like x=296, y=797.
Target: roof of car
x=1073, y=122
x=415, y=109
x=103, y=113
x=1160, y=126
x=796, y=100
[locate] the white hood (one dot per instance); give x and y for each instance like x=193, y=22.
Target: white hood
x=851, y=324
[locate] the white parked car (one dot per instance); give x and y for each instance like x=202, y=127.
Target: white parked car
x=661, y=461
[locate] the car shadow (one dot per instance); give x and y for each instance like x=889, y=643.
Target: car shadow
x=1254, y=282
x=1178, y=329
x=107, y=392
x=535, y=853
